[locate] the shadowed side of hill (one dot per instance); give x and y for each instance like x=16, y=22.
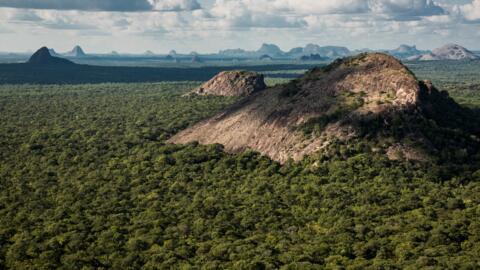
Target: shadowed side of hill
x=43, y=57
x=79, y=74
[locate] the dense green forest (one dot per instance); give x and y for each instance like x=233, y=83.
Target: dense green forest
x=88, y=182
x=459, y=78
x=80, y=74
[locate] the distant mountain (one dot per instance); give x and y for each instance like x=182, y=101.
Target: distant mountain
x=405, y=51
x=172, y=53
x=77, y=52
x=447, y=52
x=296, y=51
x=53, y=52
x=149, y=53
x=331, y=52
x=270, y=49
x=43, y=57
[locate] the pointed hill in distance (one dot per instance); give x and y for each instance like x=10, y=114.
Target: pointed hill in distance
x=76, y=52
x=43, y=57
x=371, y=100
x=53, y=52
x=149, y=53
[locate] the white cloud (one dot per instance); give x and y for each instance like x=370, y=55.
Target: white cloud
x=406, y=7
x=104, y=5
x=316, y=7
x=174, y=5
x=248, y=23
x=471, y=12
x=243, y=14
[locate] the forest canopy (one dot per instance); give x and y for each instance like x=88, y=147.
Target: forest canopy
x=88, y=182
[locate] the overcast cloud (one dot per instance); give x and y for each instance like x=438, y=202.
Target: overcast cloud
x=104, y=5
x=210, y=25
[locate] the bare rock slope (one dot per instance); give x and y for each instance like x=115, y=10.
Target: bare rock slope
x=232, y=83
x=338, y=102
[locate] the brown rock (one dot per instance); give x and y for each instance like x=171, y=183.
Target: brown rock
x=232, y=84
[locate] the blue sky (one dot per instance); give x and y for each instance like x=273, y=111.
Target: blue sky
x=210, y=25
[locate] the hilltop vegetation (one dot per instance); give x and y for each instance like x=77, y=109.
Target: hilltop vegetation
x=88, y=182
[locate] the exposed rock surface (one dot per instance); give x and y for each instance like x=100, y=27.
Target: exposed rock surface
x=333, y=100
x=232, y=84
x=43, y=57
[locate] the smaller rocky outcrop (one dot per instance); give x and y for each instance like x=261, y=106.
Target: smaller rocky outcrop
x=232, y=84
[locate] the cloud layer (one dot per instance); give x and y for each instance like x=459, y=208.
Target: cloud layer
x=208, y=25
x=104, y=5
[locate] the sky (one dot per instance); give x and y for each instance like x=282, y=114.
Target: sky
x=206, y=26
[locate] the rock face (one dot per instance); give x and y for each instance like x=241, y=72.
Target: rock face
x=233, y=84
x=43, y=57
x=447, y=52
x=271, y=121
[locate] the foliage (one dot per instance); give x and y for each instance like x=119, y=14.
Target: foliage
x=76, y=74
x=343, y=106
x=88, y=182
x=459, y=78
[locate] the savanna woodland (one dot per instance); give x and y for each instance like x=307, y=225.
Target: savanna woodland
x=88, y=181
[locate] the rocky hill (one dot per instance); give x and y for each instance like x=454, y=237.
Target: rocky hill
x=447, y=52
x=371, y=99
x=232, y=83
x=43, y=57
x=405, y=51
x=77, y=51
